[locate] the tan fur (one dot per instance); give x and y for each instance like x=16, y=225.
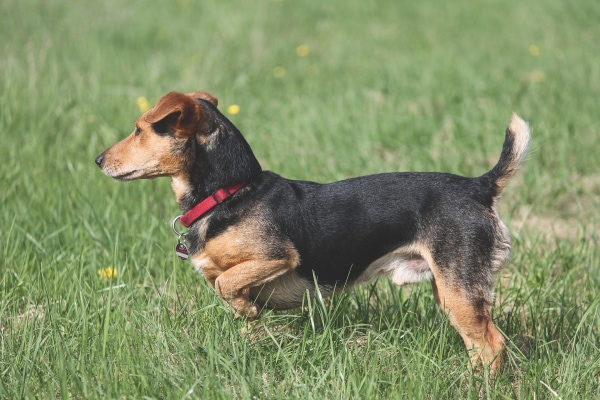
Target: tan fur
x=472, y=321
x=239, y=259
x=519, y=130
x=183, y=111
x=204, y=96
x=147, y=155
x=179, y=184
x=141, y=156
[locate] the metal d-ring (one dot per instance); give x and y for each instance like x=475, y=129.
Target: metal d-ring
x=180, y=234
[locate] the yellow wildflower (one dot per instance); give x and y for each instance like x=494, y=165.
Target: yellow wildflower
x=534, y=50
x=302, y=50
x=279, y=72
x=143, y=104
x=107, y=273
x=233, y=109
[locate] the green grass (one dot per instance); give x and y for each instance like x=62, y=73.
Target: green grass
x=386, y=86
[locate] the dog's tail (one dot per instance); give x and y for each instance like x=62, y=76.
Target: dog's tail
x=514, y=151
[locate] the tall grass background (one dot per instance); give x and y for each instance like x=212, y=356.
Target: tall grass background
x=325, y=90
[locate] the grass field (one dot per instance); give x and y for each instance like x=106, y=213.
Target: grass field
x=325, y=90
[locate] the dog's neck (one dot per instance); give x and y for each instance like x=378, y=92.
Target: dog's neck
x=217, y=160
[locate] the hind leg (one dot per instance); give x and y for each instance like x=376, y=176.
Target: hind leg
x=470, y=314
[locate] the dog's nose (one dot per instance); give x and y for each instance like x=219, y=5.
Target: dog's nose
x=99, y=160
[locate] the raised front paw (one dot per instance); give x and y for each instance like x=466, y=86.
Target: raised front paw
x=243, y=307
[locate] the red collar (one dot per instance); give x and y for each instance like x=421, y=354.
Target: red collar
x=209, y=203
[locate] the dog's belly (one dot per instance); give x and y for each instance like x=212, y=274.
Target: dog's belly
x=286, y=292
x=404, y=268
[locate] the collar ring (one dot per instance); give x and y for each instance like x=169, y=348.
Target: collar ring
x=180, y=234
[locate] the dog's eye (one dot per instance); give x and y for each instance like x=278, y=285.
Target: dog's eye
x=137, y=131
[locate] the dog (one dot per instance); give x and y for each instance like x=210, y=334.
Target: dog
x=263, y=241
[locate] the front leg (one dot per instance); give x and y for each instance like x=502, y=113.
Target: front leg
x=234, y=284
x=246, y=255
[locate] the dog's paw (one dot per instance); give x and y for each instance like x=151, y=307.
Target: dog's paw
x=250, y=313
x=244, y=308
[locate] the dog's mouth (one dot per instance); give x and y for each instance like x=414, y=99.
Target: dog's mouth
x=122, y=176
x=136, y=174
x=127, y=172
x=126, y=176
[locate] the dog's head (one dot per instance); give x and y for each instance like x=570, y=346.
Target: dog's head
x=157, y=144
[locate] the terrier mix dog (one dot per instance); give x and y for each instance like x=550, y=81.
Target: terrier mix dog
x=262, y=240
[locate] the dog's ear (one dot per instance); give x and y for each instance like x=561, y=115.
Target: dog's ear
x=177, y=113
x=204, y=96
